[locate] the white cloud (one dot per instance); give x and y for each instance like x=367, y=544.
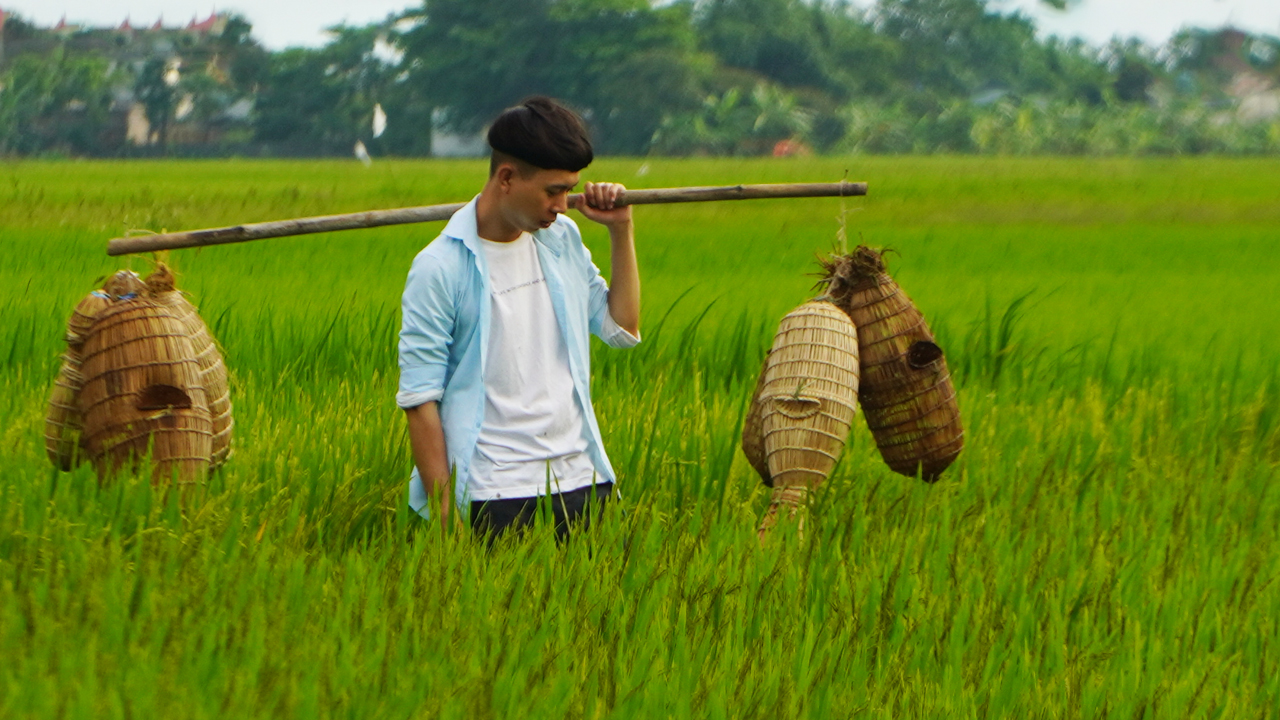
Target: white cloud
x=1153, y=21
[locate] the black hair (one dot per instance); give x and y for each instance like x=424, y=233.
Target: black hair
x=542, y=133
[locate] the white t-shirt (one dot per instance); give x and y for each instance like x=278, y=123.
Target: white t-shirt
x=532, y=434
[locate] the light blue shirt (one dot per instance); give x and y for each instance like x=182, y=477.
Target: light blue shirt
x=444, y=332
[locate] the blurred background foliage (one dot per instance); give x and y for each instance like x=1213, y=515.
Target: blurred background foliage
x=691, y=77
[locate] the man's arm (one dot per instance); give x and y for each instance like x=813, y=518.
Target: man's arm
x=624, y=273
x=426, y=334
x=426, y=438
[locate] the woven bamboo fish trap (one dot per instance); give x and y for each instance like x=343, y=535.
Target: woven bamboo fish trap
x=805, y=400
x=213, y=372
x=786, y=502
x=907, y=395
x=752, y=431
x=806, y=397
x=142, y=394
x=62, y=421
x=62, y=427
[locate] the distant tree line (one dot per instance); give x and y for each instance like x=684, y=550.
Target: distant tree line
x=701, y=77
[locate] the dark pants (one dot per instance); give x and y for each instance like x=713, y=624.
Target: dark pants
x=570, y=510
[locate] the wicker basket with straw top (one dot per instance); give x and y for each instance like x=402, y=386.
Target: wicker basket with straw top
x=63, y=424
x=907, y=396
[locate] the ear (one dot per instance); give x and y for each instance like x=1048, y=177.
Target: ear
x=504, y=174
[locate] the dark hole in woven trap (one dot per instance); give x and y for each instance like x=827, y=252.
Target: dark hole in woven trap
x=163, y=397
x=923, y=353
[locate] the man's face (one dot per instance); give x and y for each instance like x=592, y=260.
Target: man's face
x=533, y=201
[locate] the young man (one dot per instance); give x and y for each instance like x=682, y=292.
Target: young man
x=494, y=357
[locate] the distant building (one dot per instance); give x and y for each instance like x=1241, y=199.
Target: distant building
x=1255, y=92
x=65, y=29
x=214, y=24
x=127, y=47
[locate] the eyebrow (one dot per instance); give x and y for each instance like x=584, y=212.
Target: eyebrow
x=562, y=186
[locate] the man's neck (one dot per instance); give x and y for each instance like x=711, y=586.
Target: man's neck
x=490, y=224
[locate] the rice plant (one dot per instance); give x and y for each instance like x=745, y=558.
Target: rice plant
x=1105, y=546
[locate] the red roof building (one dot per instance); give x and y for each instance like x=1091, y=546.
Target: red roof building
x=204, y=26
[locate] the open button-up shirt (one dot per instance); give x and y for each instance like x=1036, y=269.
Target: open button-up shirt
x=444, y=332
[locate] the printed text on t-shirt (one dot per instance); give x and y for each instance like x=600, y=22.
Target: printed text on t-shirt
x=517, y=287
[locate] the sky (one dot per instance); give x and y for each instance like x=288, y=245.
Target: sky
x=283, y=23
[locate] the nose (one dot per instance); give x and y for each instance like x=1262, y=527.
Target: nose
x=561, y=204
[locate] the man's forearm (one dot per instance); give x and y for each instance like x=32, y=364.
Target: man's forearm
x=426, y=437
x=624, y=278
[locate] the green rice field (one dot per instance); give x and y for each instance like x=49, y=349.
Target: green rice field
x=1105, y=547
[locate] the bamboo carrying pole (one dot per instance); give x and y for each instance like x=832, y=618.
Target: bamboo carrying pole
x=432, y=213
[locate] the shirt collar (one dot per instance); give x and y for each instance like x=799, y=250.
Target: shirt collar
x=462, y=226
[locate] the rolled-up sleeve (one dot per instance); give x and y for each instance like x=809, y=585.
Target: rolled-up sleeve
x=613, y=334
x=428, y=311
